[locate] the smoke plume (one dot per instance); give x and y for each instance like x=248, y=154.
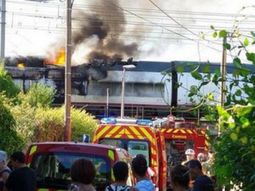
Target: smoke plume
x=105, y=28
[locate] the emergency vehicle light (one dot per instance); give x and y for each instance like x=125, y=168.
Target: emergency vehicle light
x=144, y=122
x=108, y=120
x=112, y=120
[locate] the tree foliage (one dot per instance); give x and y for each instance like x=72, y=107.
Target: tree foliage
x=235, y=146
x=50, y=124
x=39, y=95
x=7, y=85
x=10, y=141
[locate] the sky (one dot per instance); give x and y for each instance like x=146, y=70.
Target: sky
x=158, y=30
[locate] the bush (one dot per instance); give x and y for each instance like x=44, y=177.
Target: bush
x=10, y=141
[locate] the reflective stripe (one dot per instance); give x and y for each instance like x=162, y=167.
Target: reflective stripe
x=102, y=130
x=189, y=131
x=33, y=150
x=111, y=154
x=183, y=131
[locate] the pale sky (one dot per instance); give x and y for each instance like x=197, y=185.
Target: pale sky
x=34, y=28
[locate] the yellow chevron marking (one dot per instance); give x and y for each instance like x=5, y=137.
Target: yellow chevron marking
x=176, y=131
x=108, y=136
x=153, y=151
x=130, y=136
x=183, y=131
x=119, y=134
x=169, y=130
x=153, y=162
x=189, y=131
x=114, y=129
x=102, y=131
x=134, y=130
x=148, y=135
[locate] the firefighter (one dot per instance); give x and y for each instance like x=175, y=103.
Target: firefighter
x=190, y=154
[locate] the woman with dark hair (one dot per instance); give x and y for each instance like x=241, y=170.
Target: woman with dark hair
x=180, y=178
x=82, y=173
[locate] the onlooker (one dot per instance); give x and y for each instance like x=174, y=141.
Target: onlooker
x=4, y=169
x=190, y=154
x=22, y=178
x=207, y=166
x=180, y=178
x=201, y=181
x=202, y=158
x=139, y=168
x=120, y=172
x=82, y=173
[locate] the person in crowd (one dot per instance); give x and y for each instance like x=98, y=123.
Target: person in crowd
x=120, y=172
x=201, y=182
x=202, y=158
x=190, y=154
x=180, y=178
x=22, y=178
x=4, y=169
x=82, y=173
x=139, y=169
x=207, y=166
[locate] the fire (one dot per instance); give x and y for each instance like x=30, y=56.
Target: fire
x=57, y=58
x=60, y=57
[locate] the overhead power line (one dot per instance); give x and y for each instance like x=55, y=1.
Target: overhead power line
x=173, y=18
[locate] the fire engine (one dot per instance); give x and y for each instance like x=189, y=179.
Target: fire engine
x=137, y=137
x=163, y=142
x=181, y=135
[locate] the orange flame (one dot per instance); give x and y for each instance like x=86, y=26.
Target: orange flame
x=57, y=58
x=60, y=57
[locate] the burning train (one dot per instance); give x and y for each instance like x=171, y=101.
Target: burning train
x=97, y=86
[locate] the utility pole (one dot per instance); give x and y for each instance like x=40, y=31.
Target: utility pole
x=107, y=102
x=223, y=76
x=3, y=22
x=122, y=93
x=67, y=118
x=223, y=73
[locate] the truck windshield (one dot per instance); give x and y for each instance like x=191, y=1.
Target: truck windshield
x=133, y=147
x=53, y=169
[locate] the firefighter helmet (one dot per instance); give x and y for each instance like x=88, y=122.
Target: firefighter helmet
x=189, y=152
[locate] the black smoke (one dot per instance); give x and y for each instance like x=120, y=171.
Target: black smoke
x=109, y=46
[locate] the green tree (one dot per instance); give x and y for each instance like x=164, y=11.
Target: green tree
x=235, y=146
x=39, y=95
x=10, y=141
x=7, y=85
x=50, y=124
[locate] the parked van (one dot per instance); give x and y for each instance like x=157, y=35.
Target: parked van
x=52, y=162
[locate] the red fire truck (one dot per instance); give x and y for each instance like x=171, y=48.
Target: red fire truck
x=137, y=138
x=181, y=135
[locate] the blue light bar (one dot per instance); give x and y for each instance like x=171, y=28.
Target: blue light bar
x=112, y=120
x=108, y=120
x=144, y=122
